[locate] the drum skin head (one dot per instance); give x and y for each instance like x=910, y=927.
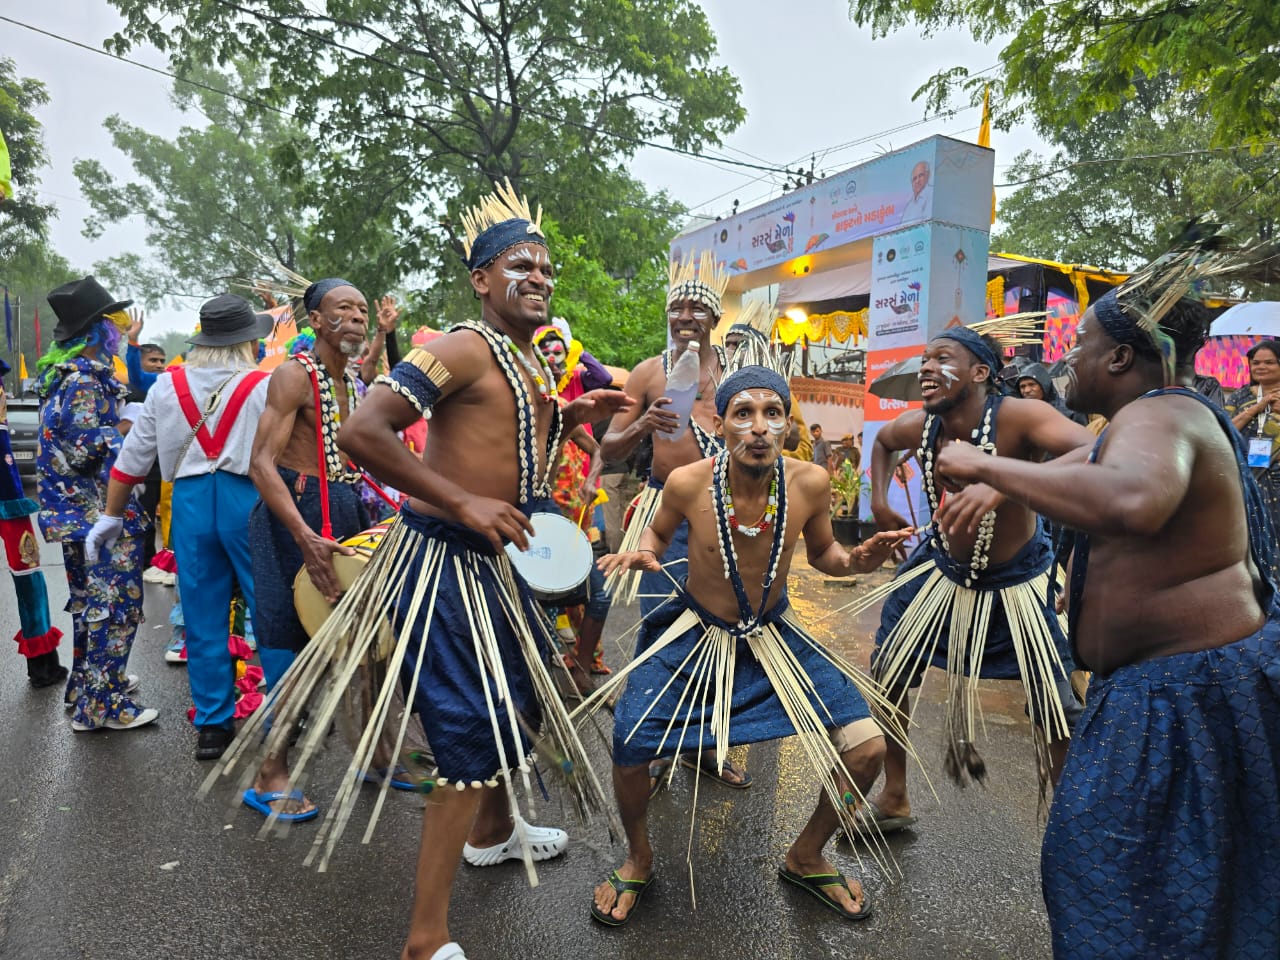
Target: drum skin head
x=558, y=560
x=313, y=609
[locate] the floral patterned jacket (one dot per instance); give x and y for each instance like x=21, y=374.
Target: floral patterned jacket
x=79, y=442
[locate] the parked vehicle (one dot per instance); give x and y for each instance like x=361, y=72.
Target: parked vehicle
x=24, y=432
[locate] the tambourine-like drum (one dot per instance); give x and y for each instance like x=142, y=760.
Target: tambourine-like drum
x=313, y=609
x=558, y=562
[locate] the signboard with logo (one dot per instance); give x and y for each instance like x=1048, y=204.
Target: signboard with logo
x=898, y=310
x=897, y=189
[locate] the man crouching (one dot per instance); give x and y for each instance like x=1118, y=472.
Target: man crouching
x=725, y=661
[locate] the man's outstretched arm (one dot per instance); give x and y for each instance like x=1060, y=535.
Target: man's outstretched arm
x=1134, y=488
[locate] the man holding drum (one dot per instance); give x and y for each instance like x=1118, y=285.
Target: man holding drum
x=309, y=500
x=724, y=661
x=478, y=642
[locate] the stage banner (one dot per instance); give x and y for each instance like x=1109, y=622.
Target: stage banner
x=898, y=310
x=935, y=179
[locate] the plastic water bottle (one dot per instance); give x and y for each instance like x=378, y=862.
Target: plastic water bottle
x=682, y=388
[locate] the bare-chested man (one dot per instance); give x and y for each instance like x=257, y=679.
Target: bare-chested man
x=693, y=310
x=744, y=511
x=994, y=565
x=1165, y=827
x=286, y=527
x=495, y=432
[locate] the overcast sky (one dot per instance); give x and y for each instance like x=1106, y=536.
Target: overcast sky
x=812, y=83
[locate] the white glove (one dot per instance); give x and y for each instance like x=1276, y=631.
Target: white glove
x=104, y=533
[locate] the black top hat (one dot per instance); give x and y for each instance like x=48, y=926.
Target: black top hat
x=227, y=320
x=79, y=304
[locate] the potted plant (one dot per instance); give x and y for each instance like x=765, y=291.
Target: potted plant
x=847, y=489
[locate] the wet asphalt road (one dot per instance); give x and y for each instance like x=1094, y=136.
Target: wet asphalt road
x=105, y=852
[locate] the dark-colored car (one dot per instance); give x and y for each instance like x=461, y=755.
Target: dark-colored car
x=24, y=432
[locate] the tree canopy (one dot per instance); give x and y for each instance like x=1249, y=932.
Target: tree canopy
x=1219, y=52
x=416, y=106
x=1120, y=185
x=23, y=218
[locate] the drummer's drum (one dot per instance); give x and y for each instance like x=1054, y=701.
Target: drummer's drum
x=313, y=609
x=557, y=565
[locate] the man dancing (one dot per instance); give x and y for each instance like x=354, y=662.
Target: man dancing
x=727, y=657
x=469, y=640
x=198, y=424
x=974, y=601
x=1165, y=826
x=309, y=501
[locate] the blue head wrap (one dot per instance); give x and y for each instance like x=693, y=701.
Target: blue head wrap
x=1119, y=326
x=972, y=342
x=751, y=378
x=315, y=293
x=499, y=237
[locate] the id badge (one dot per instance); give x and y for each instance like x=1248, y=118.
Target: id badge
x=1260, y=452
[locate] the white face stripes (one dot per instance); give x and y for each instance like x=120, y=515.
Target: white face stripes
x=948, y=371
x=517, y=268
x=743, y=427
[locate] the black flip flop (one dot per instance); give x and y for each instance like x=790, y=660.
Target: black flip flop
x=813, y=884
x=706, y=767
x=660, y=775
x=620, y=886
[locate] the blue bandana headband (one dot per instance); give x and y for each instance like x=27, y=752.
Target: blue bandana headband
x=315, y=293
x=975, y=345
x=499, y=237
x=1116, y=322
x=751, y=378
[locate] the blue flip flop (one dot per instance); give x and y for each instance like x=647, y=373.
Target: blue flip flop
x=377, y=776
x=261, y=802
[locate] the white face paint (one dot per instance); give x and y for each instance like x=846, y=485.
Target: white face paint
x=744, y=426
x=518, y=269
x=948, y=371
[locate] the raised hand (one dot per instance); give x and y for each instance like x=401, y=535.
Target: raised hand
x=596, y=405
x=135, y=323
x=631, y=560
x=387, y=314
x=963, y=510
x=658, y=419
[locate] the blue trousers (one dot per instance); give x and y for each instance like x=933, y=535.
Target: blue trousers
x=211, y=542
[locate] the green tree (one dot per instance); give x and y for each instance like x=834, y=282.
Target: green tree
x=207, y=198
x=23, y=219
x=417, y=105
x=1088, y=203
x=619, y=321
x=1220, y=52
x=29, y=274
